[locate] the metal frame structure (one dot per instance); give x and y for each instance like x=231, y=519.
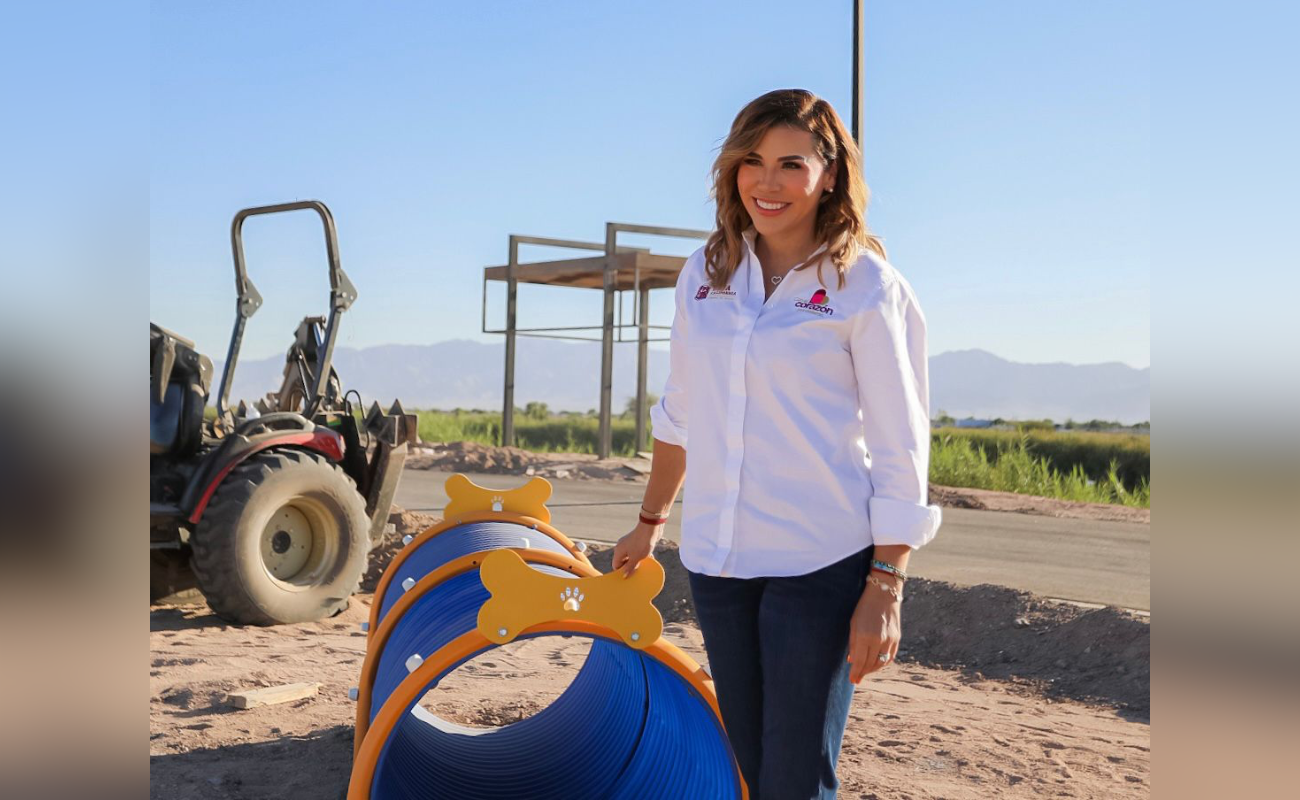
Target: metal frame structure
x=616, y=261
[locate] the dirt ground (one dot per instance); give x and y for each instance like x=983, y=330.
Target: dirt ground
x=996, y=693
x=914, y=731
x=490, y=460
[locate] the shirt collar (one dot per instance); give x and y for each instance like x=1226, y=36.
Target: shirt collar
x=750, y=235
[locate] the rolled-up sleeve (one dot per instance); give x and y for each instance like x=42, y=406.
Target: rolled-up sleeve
x=668, y=416
x=888, y=347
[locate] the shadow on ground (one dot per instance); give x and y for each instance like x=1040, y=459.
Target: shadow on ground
x=311, y=767
x=184, y=617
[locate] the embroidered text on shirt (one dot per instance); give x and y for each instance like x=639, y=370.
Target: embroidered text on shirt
x=708, y=292
x=816, y=304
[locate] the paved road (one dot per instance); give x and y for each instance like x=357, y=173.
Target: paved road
x=1083, y=560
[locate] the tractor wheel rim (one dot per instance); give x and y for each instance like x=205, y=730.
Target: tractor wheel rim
x=296, y=543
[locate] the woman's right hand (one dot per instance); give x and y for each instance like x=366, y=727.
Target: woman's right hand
x=638, y=544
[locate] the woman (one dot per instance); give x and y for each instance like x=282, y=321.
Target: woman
x=807, y=403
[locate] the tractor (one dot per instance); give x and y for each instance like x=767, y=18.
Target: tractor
x=270, y=509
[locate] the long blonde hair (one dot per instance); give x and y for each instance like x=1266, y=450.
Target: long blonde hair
x=841, y=219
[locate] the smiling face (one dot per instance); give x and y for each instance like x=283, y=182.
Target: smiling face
x=782, y=182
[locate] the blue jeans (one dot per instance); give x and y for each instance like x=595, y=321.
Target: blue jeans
x=778, y=653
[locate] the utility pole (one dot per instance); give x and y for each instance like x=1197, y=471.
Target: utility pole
x=859, y=29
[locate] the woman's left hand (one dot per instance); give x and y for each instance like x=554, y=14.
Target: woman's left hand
x=876, y=629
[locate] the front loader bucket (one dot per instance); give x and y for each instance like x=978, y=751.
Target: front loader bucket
x=392, y=432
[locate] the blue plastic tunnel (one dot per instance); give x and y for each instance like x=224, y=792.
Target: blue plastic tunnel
x=628, y=726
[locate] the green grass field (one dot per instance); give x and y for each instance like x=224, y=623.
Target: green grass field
x=1127, y=455
x=961, y=461
x=1090, y=467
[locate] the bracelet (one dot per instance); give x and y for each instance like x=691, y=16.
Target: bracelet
x=890, y=568
x=872, y=579
x=653, y=517
x=900, y=580
x=891, y=576
x=653, y=520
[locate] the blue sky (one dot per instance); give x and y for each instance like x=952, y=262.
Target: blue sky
x=1007, y=148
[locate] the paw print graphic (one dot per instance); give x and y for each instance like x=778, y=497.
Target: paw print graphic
x=572, y=599
x=498, y=502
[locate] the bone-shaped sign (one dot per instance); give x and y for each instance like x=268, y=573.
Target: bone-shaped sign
x=465, y=497
x=523, y=597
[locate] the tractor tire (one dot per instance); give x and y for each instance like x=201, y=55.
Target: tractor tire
x=284, y=539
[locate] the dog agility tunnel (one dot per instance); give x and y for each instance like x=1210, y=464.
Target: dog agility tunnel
x=639, y=720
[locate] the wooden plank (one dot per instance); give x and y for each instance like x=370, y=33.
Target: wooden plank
x=271, y=695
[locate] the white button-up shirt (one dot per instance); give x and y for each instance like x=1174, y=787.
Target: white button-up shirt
x=808, y=416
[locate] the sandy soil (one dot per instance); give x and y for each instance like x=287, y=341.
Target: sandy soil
x=915, y=731
x=489, y=460
x=996, y=693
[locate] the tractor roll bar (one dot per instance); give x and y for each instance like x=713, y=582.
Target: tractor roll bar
x=342, y=295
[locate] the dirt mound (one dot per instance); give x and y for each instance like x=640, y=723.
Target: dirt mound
x=1096, y=655
x=473, y=457
x=990, y=500
x=490, y=460
x=1101, y=654
x=955, y=498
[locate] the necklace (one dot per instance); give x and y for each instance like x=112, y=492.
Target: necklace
x=776, y=279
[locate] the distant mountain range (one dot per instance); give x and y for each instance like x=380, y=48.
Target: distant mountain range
x=976, y=383
x=566, y=376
